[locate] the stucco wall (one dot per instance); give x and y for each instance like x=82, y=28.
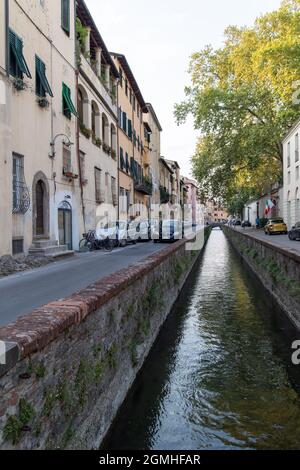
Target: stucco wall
x=34, y=128
x=80, y=356
x=277, y=268
x=5, y=166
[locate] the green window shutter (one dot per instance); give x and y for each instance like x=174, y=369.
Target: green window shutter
x=127, y=163
x=42, y=84
x=16, y=47
x=68, y=106
x=122, y=161
x=65, y=15
x=124, y=122
x=129, y=129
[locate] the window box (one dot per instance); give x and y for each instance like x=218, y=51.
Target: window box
x=43, y=102
x=85, y=131
x=106, y=148
x=97, y=141
x=69, y=173
x=19, y=84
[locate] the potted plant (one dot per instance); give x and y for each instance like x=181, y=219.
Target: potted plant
x=43, y=102
x=86, y=132
x=97, y=141
x=114, y=154
x=19, y=84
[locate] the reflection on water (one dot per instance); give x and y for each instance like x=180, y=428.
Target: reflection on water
x=219, y=375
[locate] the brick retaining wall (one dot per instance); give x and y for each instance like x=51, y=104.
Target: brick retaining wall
x=277, y=268
x=72, y=362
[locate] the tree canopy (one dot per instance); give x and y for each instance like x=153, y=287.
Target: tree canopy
x=243, y=98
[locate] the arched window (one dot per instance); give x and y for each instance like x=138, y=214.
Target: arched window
x=105, y=129
x=113, y=140
x=95, y=121
x=80, y=106
x=83, y=106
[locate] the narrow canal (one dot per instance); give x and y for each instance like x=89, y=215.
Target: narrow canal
x=220, y=374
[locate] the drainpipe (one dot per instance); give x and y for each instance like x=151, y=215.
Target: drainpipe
x=118, y=150
x=77, y=120
x=7, y=36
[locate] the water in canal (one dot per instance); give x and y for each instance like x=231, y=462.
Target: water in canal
x=220, y=374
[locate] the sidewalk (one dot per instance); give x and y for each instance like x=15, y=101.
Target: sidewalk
x=281, y=241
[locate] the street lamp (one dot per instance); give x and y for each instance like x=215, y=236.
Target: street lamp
x=66, y=142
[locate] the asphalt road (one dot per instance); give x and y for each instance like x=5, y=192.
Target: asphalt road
x=278, y=240
x=23, y=292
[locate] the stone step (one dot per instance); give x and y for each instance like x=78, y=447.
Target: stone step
x=64, y=254
x=44, y=243
x=51, y=251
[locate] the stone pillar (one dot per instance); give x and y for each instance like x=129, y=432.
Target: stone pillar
x=98, y=61
x=107, y=76
x=87, y=44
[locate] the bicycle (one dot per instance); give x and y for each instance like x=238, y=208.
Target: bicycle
x=90, y=242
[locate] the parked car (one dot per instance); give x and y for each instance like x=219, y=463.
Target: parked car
x=143, y=231
x=294, y=234
x=237, y=223
x=246, y=223
x=167, y=230
x=122, y=232
x=276, y=226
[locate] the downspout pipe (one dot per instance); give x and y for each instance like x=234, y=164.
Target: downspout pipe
x=77, y=120
x=7, y=37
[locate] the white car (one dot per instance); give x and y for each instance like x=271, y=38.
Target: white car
x=169, y=230
x=122, y=232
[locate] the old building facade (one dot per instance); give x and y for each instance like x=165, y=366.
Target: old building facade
x=135, y=186
x=291, y=176
x=45, y=203
x=98, y=121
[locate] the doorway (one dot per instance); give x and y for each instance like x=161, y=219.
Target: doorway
x=40, y=195
x=65, y=225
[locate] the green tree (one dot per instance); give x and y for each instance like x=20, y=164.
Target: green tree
x=243, y=100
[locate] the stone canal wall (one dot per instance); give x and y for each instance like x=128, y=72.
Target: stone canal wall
x=70, y=364
x=277, y=268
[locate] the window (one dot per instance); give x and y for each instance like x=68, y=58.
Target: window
x=289, y=154
x=130, y=96
x=41, y=83
x=129, y=129
x=80, y=107
x=21, y=198
x=138, y=111
x=134, y=103
x=17, y=62
x=98, y=185
x=17, y=246
x=68, y=106
x=120, y=114
x=296, y=147
x=124, y=122
x=122, y=161
x=289, y=177
x=114, y=191
x=82, y=165
x=126, y=87
x=121, y=77
x=65, y=16
x=67, y=160
x=297, y=172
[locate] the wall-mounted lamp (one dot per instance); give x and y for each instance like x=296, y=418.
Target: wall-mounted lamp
x=66, y=142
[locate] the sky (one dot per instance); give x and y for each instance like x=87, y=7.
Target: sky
x=158, y=37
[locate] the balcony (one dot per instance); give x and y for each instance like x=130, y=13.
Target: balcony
x=144, y=186
x=89, y=71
